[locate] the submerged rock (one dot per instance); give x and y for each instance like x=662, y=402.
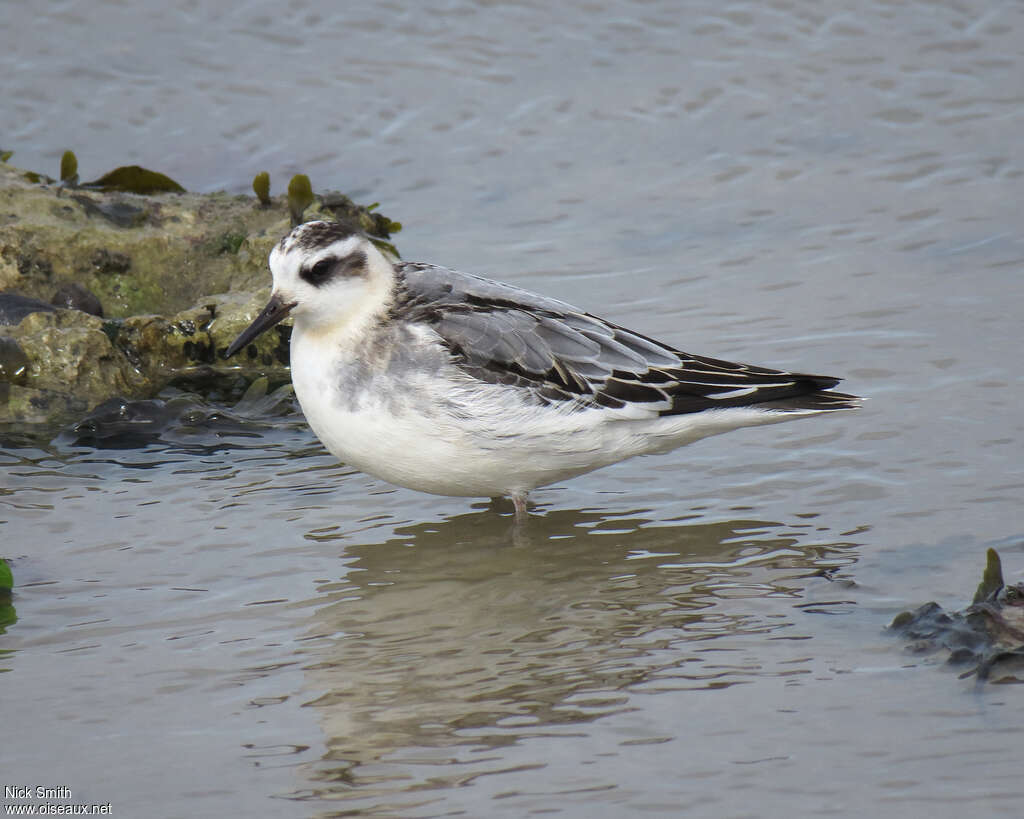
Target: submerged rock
x=987, y=636
x=120, y=423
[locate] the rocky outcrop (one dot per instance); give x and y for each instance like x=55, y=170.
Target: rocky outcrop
x=174, y=276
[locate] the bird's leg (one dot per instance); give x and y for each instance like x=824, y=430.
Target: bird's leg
x=519, y=501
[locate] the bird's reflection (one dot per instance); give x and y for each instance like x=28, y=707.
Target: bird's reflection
x=469, y=632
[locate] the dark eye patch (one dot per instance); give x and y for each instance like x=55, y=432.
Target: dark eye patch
x=329, y=267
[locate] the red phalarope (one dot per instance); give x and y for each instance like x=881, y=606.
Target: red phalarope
x=453, y=384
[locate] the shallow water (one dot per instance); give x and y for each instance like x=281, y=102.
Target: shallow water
x=222, y=624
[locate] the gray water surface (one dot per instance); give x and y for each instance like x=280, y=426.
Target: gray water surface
x=239, y=625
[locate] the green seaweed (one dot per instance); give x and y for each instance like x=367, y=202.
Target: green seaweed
x=5, y=155
x=230, y=242
x=902, y=620
x=375, y=225
x=69, y=169
x=112, y=328
x=300, y=197
x=135, y=179
x=261, y=187
x=991, y=580
x=8, y=616
x=386, y=246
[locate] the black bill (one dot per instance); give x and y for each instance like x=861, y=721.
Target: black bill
x=275, y=311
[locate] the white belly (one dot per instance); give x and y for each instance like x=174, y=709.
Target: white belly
x=412, y=437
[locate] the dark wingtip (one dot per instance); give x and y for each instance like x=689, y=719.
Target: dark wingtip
x=821, y=401
x=821, y=382
x=820, y=395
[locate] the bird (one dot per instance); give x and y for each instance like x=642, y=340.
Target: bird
x=453, y=384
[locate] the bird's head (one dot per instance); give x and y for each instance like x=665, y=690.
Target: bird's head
x=325, y=275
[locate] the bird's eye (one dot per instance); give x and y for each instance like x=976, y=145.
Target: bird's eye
x=318, y=273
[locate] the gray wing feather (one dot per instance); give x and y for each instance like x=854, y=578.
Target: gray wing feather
x=502, y=334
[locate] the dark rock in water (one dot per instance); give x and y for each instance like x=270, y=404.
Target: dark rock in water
x=75, y=297
x=987, y=636
x=122, y=424
x=14, y=307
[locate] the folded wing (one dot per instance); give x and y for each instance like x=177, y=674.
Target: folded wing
x=501, y=334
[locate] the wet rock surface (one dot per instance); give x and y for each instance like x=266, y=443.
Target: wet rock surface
x=986, y=638
x=107, y=294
